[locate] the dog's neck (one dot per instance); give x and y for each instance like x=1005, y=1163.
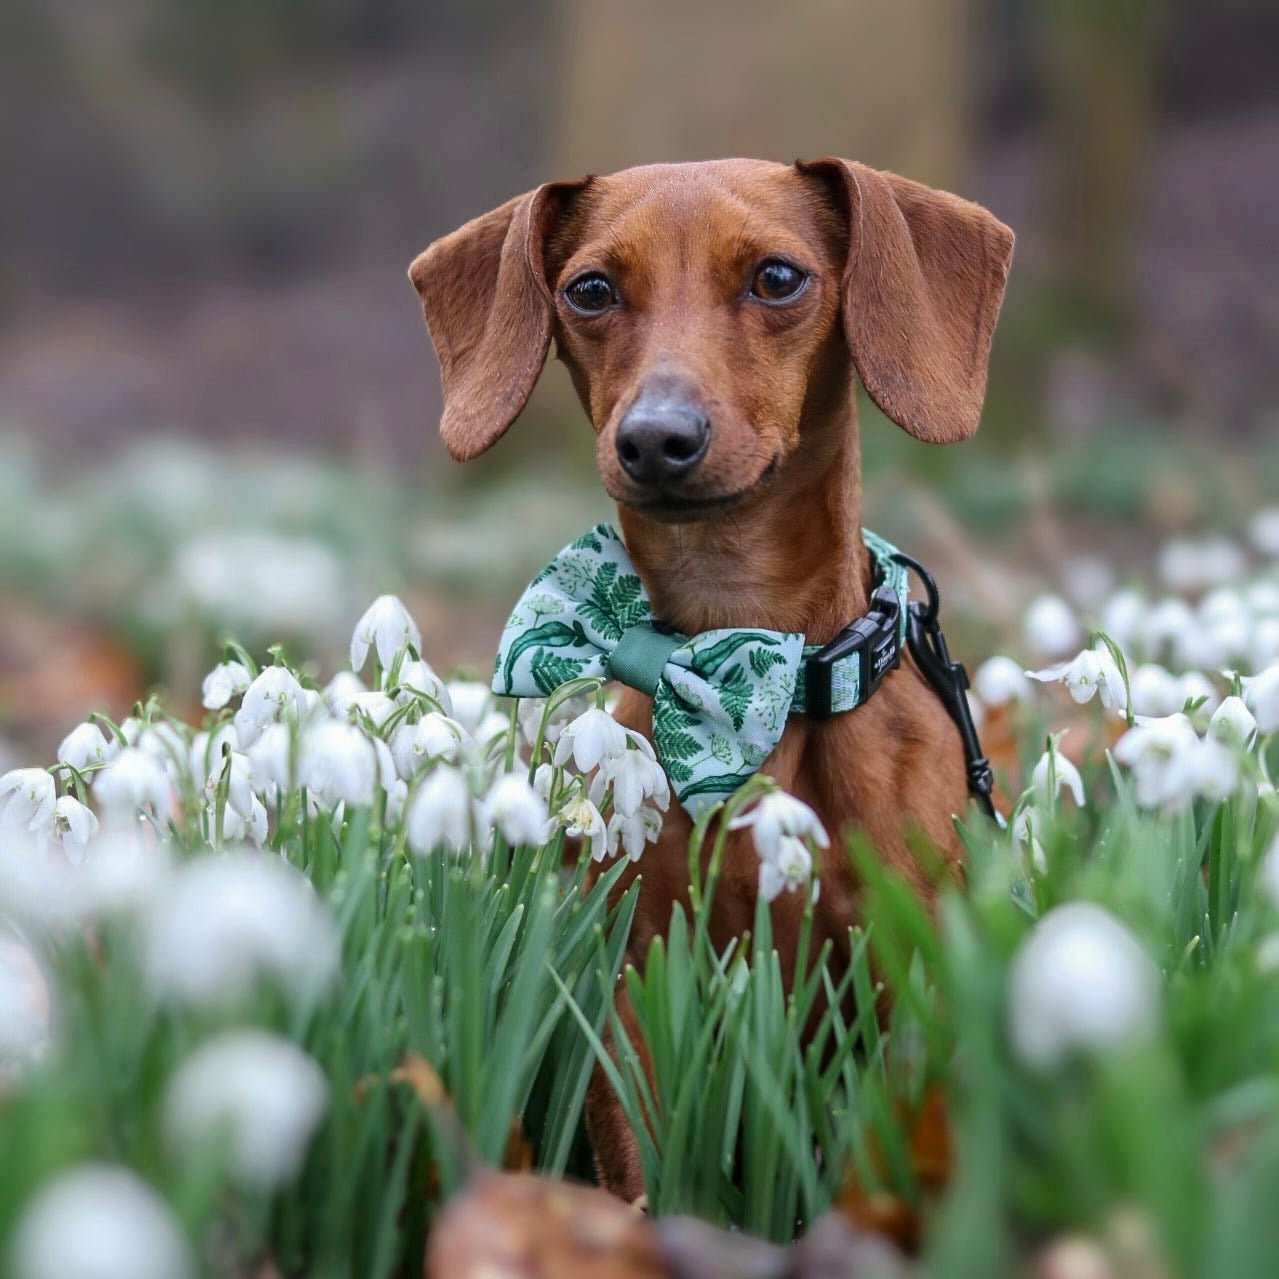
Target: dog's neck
x=789, y=559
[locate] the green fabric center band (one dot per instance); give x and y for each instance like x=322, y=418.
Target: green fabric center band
x=640, y=657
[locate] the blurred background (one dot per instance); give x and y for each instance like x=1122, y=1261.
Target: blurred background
x=218, y=403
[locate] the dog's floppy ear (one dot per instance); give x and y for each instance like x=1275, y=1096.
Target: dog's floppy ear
x=488, y=310
x=922, y=286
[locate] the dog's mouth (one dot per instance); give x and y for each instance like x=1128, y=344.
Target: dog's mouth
x=673, y=507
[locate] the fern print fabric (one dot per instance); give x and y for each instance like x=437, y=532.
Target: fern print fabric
x=720, y=697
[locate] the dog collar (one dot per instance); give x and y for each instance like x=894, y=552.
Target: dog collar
x=721, y=697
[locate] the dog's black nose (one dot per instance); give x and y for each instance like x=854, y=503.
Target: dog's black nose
x=661, y=438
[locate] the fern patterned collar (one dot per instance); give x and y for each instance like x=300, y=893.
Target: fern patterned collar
x=720, y=697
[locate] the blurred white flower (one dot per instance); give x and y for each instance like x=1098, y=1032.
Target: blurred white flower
x=1171, y=764
x=632, y=777
x=336, y=763
x=1233, y=723
x=1055, y=773
x=776, y=816
x=582, y=820
x=29, y=795
x=226, y=919
x=473, y=708
x=24, y=1005
x=790, y=867
x=270, y=756
x=593, y=738
x=1123, y=618
x=1000, y=680
x=263, y=1093
x=1024, y=833
x=440, y=812
x=433, y=737
x=385, y=627
x=1167, y=621
x=1195, y=686
x=85, y=746
x=274, y=697
x=515, y=809
x=1079, y=981
x=1087, y=579
x=1093, y=671
x=373, y=705
x=1155, y=690
x=207, y=748
x=121, y=872
x=1190, y=564
x=1260, y=694
x=1263, y=531
x=1263, y=643
x=1215, y=770
x=341, y=691
x=418, y=677
x=223, y=682
x=99, y=1221
x=635, y=832
x=1050, y=626
x=131, y=781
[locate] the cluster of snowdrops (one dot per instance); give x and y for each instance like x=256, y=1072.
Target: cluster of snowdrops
x=201, y=848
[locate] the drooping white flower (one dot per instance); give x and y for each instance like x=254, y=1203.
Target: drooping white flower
x=274, y=697
x=1123, y=618
x=1050, y=626
x=1079, y=982
x=1196, y=687
x=372, y=706
x=166, y=743
x=122, y=873
x=1163, y=756
x=232, y=772
x=207, y=748
x=225, y=919
x=1214, y=770
x=341, y=691
x=1232, y=722
x=1260, y=694
x=582, y=820
x=1167, y=621
x=385, y=627
x=135, y=779
x=99, y=1221
x=238, y=828
x=633, y=833
x=75, y=825
x=433, y=737
x=776, y=816
x=28, y=795
x=24, y=1006
x=593, y=738
x=1263, y=531
x=1092, y=672
x=417, y=677
x=223, y=682
x=1155, y=690
x=790, y=868
x=440, y=812
x=1190, y=564
x=1055, y=773
x=1025, y=827
x=514, y=809
x=336, y=763
x=261, y=1092
x=86, y=746
x=1000, y=680
x=632, y=778
x=473, y=708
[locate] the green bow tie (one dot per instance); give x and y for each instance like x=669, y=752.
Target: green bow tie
x=721, y=697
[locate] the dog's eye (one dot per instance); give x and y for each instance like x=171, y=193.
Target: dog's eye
x=591, y=292
x=775, y=281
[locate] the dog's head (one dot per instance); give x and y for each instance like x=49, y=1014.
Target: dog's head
x=701, y=307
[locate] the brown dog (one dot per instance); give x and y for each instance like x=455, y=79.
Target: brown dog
x=711, y=317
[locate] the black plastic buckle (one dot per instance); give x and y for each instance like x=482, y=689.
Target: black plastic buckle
x=874, y=636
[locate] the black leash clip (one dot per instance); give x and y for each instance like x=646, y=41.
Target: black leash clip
x=873, y=636
x=949, y=680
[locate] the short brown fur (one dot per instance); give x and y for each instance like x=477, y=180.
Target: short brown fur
x=904, y=286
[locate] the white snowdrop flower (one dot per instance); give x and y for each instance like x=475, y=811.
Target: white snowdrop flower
x=234, y=771
x=1262, y=596
x=225, y=919
x=582, y=820
x=1123, y=618
x=253, y=826
x=440, y=812
x=789, y=869
x=513, y=808
x=1087, y=579
x=207, y=748
x=593, y=738
x=27, y=798
x=1214, y=770
x=532, y=709
x=385, y=627
x=1024, y=827
x=131, y=729
x=122, y=873
x=336, y=763
x=1000, y=680
x=543, y=777
x=1224, y=606
x=270, y=756
x=1233, y=723
x=341, y=691
x=86, y=746
x=164, y=741
x=387, y=777
x=1092, y=672
x=24, y=1006
x=99, y=1221
x=1190, y=564
x=223, y=682
x=274, y=697
x=473, y=708
x=433, y=737
x=131, y=781
x=1079, y=982
x=397, y=798
x=259, y=1091
x=632, y=777
x=1260, y=694
x=633, y=833
x=1263, y=643
x=1161, y=752
x=1195, y=686
x=1063, y=774
x=373, y=705
x=1155, y=690
x=1050, y=626
x=1200, y=647
x=776, y=816
x=416, y=676
x=75, y=825
x=1167, y=621
x=1263, y=531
